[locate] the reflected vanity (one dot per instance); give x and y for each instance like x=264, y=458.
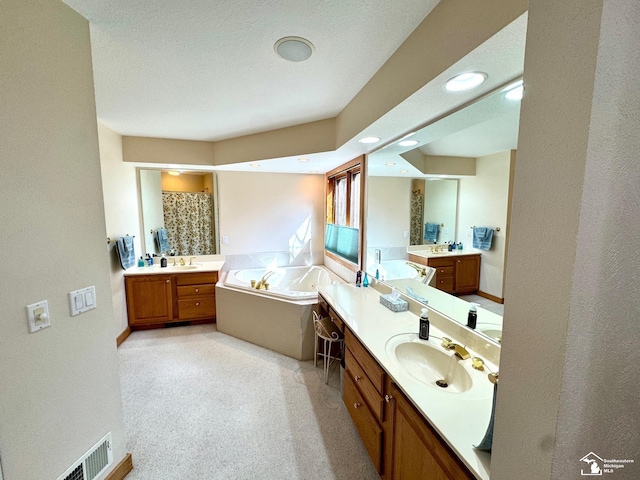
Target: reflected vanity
x=445, y=178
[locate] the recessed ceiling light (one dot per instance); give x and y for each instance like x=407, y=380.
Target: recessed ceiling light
x=294, y=49
x=404, y=171
x=174, y=173
x=514, y=91
x=369, y=140
x=254, y=165
x=408, y=135
x=465, y=81
x=303, y=159
x=390, y=164
x=408, y=143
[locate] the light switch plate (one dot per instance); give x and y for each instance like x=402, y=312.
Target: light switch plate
x=82, y=300
x=38, y=316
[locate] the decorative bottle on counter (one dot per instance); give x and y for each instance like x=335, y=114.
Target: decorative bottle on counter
x=473, y=316
x=423, y=333
x=365, y=282
x=141, y=262
x=163, y=261
x=358, y=278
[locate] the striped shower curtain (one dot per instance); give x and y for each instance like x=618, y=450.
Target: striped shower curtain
x=188, y=218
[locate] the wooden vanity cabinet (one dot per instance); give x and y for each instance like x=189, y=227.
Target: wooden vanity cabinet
x=417, y=451
x=158, y=299
x=400, y=442
x=457, y=274
x=363, y=388
x=196, y=294
x=149, y=299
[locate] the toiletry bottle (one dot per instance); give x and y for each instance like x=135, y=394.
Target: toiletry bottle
x=449, y=247
x=140, y=262
x=459, y=245
x=424, y=325
x=365, y=282
x=163, y=261
x=473, y=316
x=377, y=274
x=358, y=278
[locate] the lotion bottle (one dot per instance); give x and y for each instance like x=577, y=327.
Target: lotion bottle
x=424, y=325
x=472, y=318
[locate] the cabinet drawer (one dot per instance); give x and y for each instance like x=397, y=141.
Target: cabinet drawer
x=204, y=307
x=366, y=361
x=444, y=283
x=366, y=388
x=369, y=430
x=442, y=262
x=444, y=271
x=190, y=290
x=196, y=278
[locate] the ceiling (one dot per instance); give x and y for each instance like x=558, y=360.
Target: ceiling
x=203, y=70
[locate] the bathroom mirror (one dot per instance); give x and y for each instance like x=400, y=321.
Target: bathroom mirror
x=183, y=203
x=457, y=174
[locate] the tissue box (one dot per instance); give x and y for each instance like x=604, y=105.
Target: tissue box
x=395, y=305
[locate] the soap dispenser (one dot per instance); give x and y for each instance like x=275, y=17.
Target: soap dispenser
x=472, y=318
x=424, y=325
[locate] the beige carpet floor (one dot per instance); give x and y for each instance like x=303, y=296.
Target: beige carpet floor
x=200, y=404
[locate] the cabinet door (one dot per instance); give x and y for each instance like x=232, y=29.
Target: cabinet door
x=418, y=452
x=467, y=273
x=149, y=299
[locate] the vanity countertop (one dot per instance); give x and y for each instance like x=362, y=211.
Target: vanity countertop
x=427, y=254
x=198, y=266
x=460, y=418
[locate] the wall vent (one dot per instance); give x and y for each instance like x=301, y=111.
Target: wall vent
x=93, y=463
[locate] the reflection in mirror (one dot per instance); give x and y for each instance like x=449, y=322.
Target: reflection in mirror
x=457, y=176
x=179, y=212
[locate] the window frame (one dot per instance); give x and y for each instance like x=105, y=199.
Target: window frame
x=346, y=171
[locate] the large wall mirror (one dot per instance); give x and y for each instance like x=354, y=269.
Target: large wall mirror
x=185, y=205
x=456, y=173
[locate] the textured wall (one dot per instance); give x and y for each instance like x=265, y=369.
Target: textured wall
x=59, y=387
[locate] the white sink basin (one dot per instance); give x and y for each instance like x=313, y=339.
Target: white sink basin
x=182, y=267
x=428, y=363
x=491, y=331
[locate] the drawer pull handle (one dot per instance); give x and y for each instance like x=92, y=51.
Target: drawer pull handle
x=356, y=405
x=388, y=398
x=168, y=281
x=356, y=378
x=197, y=290
x=197, y=304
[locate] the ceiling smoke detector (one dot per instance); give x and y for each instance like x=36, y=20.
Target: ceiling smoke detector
x=294, y=49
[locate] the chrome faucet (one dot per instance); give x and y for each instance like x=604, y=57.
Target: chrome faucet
x=421, y=270
x=262, y=283
x=378, y=256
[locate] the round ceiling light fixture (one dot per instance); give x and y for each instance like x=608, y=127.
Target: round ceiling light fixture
x=294, y=49
x=408, y=143
x=514, y=91
x=369, y=140
x=465, y=81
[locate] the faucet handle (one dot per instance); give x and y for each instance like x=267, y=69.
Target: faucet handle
x=493, y=377
x=448, y=343
x=191, y=259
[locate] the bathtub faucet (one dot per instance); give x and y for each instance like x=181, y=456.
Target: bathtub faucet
x=262, y=283
x=421, y=270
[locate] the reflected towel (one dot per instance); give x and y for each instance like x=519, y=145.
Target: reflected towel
x=482, y=237
x=431, y=232
x=125, y=251
x=162, y=240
